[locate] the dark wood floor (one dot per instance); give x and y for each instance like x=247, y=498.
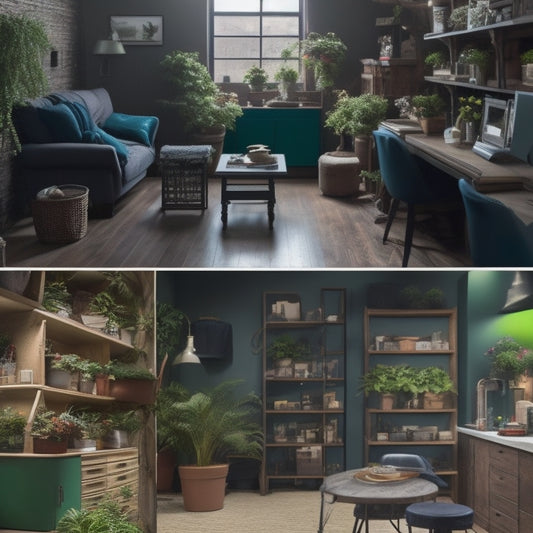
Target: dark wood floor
x=310, y=231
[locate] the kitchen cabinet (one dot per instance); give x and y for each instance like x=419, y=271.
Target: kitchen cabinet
x=303, y=400
x=417, y=338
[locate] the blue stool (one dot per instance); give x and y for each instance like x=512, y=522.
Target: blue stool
x=439, y=517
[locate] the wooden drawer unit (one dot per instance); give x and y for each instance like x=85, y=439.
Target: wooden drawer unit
x=504, y=458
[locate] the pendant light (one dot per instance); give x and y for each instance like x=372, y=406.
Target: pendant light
x=188, y=355
x=520, y=294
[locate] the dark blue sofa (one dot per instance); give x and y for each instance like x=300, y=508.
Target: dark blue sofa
x=76, y=137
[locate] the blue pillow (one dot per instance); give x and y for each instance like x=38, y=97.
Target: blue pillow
x=135, y=128
x=101, y=137
x=61, y=122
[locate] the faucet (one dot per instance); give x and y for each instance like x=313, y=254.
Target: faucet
x=483, y=386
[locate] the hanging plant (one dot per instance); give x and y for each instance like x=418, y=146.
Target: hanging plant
x=23, y=42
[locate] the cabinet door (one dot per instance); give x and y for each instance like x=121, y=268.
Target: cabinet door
x=481, y=483
x=525, y=462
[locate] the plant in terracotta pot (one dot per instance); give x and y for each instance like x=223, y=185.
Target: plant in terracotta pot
x=429, y=109
x=436, y=385
x=131, y=383
x=51, y=431
x=215, y=423
x=12, y=425
x=204, y=111
x=256, y=77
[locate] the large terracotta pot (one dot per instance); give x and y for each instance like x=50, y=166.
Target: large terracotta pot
x=203, y=487
x=215, y=137
x=166, y=463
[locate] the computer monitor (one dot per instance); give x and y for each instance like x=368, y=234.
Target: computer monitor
x=494, y=128
x=522, y=128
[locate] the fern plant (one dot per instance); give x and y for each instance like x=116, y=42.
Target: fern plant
x=217, y=423
x=23, y=42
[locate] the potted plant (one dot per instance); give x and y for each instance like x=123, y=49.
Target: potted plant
x=373, y=181
x=24, y=43
x=509, y=360
x=204, y=111
x=121, y=426
x=323, y=54
x=51, y=432
x=131, y=383
x=88, y=371
x=429, y=110
x=479, y=61
x=106, y=516
x=256, y=77
x=470, y=113
x=526, y=60
x=458, y=19
x=435, y=384
x=12, y=425
x=286, y=76
x=64, y=371
x=283, y=351
x=439, y=63
x=215, y=423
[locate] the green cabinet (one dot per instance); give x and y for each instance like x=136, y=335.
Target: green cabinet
x=294, y=132
x=37, y=491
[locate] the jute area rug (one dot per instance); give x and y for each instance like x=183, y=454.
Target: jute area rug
x=249, y=512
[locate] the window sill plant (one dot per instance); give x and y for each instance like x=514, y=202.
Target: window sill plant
x=256, y=77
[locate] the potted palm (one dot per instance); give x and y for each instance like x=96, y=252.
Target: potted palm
x=256, y=77
x=204, y=111
x=214, y=424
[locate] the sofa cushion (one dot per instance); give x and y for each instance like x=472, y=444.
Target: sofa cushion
x=30, y=128
x=97, y=101
x=136, y=128
x=103, y=137
x=140, y=158
x=61, y=122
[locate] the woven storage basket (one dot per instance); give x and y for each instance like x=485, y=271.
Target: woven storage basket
x=62, y=220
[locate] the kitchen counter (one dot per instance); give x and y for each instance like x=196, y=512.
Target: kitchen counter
x=519, y=443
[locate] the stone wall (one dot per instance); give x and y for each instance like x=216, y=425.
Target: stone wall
x=62, y=22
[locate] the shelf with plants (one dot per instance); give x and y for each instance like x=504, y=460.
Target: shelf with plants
x=410, y=383
x=303, y=388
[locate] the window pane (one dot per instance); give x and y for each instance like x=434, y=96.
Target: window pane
x=233, y=68
x=237, y=5
x=272, y=66
x=272, y=46
x=281, y=5
x=236, y=47
x=280, y=26
x=237, y=25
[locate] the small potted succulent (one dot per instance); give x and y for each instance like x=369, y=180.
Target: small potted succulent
x=256, y=77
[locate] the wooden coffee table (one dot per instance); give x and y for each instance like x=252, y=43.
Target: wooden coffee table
x=249, y=183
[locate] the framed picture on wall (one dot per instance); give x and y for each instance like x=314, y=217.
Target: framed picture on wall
x=135, y=30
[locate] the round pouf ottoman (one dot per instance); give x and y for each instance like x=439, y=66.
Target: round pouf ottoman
x=439, y=517
x=338, y=174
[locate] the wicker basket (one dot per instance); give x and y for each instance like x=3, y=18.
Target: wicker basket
x=62, y=220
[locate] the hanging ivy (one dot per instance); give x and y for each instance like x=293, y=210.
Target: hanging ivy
x=23, y=43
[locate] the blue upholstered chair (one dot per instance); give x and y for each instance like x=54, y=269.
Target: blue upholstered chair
x=409, y=179
x=498, y=238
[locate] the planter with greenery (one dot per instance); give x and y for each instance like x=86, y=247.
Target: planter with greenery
x=436, y=386
x=121, y=427
x=439, y=63
x=284, y=350
x=24, y=43
x=130, y=383
x=373, y=181
x=88, y=371
x=526, y=60
x=324, y=55
x=388, y=381
x=12, y=425
x=64, y=371
x=510, y=361
x=256, y=77
x=214, y=424
x=57, y=298
x=51, y=432
x=202, y=108
x=479, y=60
x=429, y=109
x=105, y=518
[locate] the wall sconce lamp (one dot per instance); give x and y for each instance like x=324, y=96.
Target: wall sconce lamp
x=188, y=355
x=520, y=294
x=105, y=48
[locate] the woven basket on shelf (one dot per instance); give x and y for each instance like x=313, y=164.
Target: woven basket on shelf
x=62, y=220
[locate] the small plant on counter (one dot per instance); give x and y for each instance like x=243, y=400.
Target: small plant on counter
x=48, y=425
x=427, y=106
x=69, y=362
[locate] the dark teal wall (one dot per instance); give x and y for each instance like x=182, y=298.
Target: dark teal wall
x=486, y=293
x=236, y=297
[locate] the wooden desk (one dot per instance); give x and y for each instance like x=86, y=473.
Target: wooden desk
x=510, y=182
x=345, y=488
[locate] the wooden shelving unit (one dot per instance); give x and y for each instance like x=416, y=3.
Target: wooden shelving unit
x=304, y=439
x=419, y=323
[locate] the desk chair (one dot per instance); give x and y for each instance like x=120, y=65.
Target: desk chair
x=409, y=180
x=497, y=237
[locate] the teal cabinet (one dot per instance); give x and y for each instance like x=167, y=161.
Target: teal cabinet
x=294, y=132
x=35, y=492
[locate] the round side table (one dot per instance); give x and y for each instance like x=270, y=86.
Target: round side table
x=338, y=174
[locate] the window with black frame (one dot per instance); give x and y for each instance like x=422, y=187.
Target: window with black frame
x=247, y=33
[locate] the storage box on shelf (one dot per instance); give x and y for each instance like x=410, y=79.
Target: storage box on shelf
x=303, y=396
x=413, y=425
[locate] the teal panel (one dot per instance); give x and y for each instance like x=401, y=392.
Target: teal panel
x=36, y=491
x=293, y=132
